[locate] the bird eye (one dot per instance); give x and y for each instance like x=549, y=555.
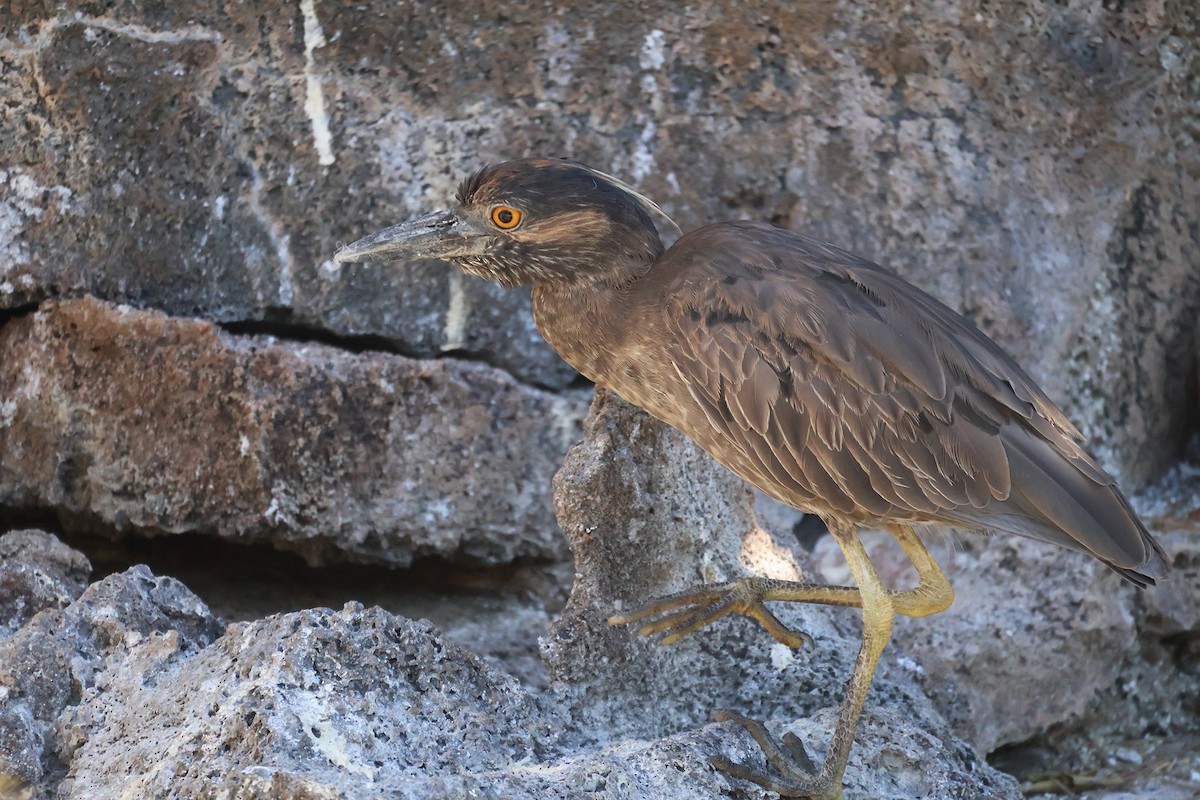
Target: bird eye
x=506, y=217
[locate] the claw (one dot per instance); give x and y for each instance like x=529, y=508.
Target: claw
x=797, y=775
x=798, y=752
x=781, y=632
x=688, y=612
x=707, y=595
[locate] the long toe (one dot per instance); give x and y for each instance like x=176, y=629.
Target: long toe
x=792, y=638
x=680, y=614
x=686, y=618
x=791, y=771
x=798, y=752
x=702, y=597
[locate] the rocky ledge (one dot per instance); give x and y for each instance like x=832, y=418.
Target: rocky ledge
x=133, y=687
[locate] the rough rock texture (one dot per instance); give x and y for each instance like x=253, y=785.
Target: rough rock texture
x=37, y=571
x=1068, y=676
x=63, y=654
x=132, y=689
x=647, y=514
x=359, y=702
x=359, y=697
x=1052, y=622
x=134, y=420
x=1143, y=729
x=1031, y=163
x=162, y=157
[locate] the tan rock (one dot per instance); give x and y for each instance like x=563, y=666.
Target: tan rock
x=133, y=420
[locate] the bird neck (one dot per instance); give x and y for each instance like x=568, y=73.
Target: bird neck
x=584, y=322
x=621, y=259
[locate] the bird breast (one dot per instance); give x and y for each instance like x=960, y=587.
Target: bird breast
x=604, y=335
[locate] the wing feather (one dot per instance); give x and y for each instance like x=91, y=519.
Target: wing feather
x=833, y=384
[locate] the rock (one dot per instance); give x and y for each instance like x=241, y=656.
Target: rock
x=325, y=704
x=206, y=161
x=37, y=571
x=1036, y=176
x=1154, y=789
x=341, y=704
x=1140, y=732
x=62, y=654
x=647, y=513
x=351, y=699
x=200, y=219
x=1048, y=631
x=133, y=420
x=1051, y=664
x=345, y=704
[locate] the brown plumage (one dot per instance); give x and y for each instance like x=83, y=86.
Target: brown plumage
x=834, y=385
x=824, y=380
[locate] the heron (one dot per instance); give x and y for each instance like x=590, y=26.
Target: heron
x=821, y=378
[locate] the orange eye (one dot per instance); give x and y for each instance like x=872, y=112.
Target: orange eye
x=506, y=217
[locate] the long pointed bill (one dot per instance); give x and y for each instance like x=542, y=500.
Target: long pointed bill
x=442, y=234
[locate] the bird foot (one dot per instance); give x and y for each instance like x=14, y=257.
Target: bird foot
x=795, y=774
x=687, y=612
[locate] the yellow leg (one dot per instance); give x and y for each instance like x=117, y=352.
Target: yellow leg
x=933, y=592
x=686, y=612
x=689, y=611
x=793, y=775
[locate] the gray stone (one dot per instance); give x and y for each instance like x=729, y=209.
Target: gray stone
x=62, y=654
x=1141, y=733
x=1052, y=664
x=132, y=420
x=647, y=513
x=37, y=571
x=214, y=214
x=1154, y=789
x=205, y=160
x=362, y=703
x=354, y=699
x=1048, y=631
x=1037, y=175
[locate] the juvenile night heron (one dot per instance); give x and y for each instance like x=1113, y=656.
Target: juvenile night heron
x=819, y=377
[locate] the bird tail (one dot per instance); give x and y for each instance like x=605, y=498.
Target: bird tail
x=1072, y=502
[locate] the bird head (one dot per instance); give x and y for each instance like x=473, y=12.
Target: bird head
x=528, y=221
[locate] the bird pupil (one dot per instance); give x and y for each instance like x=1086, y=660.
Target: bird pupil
x=505, y=216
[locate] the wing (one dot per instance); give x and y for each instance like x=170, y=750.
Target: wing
x=833, y=383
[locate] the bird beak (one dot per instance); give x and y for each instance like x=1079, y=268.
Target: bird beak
x=442, y=234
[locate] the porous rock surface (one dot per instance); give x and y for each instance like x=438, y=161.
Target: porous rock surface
x=1066, y=675
x=136, y=688
x=359, y=703
x=132, y=420
x=37, y=571
x=1032, y=164
x=647, y=513
x=1055, y=614
x=1082, y=644
x=49, y=664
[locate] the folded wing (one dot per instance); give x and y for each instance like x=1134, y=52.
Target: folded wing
x=834, y=384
